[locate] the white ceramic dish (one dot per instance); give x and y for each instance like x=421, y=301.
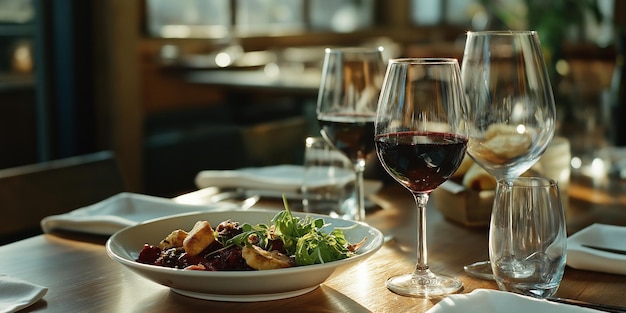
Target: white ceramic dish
x=246, y=286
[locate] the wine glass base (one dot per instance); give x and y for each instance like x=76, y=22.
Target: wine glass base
x=480, y=270
x=423, y=285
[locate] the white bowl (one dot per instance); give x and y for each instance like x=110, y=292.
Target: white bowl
x=239, y=286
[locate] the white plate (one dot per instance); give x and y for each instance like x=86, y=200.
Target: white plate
x=239, y=286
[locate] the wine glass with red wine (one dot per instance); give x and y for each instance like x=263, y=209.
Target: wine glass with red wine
x=420, y=139
x=346, y=107
x=511, y=111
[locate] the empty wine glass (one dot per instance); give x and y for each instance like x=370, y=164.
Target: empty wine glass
x=421, y=137
x=346, y=106
x=511, y=112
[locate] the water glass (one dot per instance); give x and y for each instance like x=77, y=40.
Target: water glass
x=329, y=182
x=527, y=237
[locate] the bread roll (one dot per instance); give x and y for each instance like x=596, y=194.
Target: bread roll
x=478, y=179
x=503, y=143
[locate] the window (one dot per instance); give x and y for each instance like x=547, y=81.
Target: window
x=341, y=15
x=214, y=18
x=188, y=18
x=255, y=17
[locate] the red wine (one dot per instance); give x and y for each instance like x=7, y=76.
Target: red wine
x=353, y=134
x=420, y=161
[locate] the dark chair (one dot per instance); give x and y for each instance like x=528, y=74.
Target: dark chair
x=31, y=192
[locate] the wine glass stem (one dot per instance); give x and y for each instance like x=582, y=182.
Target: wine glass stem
x=359, y=168
x=421, y=199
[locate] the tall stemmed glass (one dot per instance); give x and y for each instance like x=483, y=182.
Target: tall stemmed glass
x=346, y=106
x=511, y=106
x=421, y=137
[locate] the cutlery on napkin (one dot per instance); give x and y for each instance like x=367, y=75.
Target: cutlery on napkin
x=581, y=253
x=492, y=301
x=268, y=181
x=211, y=195
x=122, y=210
x=17, y=294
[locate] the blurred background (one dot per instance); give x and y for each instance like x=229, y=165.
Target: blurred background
x=175, y=87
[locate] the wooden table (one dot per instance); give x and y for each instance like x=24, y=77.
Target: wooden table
x=82, y=278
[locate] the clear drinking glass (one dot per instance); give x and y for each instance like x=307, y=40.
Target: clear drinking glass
x=329, y=183
x=527, y=237
x=511, y=111
x=346, y=106
x=421, y=137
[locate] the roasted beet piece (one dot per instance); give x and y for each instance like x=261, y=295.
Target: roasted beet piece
x=228, y=259
x=169, y=257
x=278, y=245
x=148, y=254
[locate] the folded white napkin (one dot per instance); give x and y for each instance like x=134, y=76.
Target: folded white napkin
x=277, y=180
x=17, y=294
x=488, y=301
x=122, y=210
x=269, y=181
x=598, y=235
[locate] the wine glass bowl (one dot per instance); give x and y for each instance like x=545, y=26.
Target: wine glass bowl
x=346, y=105
x=421, y=138
x=511, y=105
x=511, y=110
